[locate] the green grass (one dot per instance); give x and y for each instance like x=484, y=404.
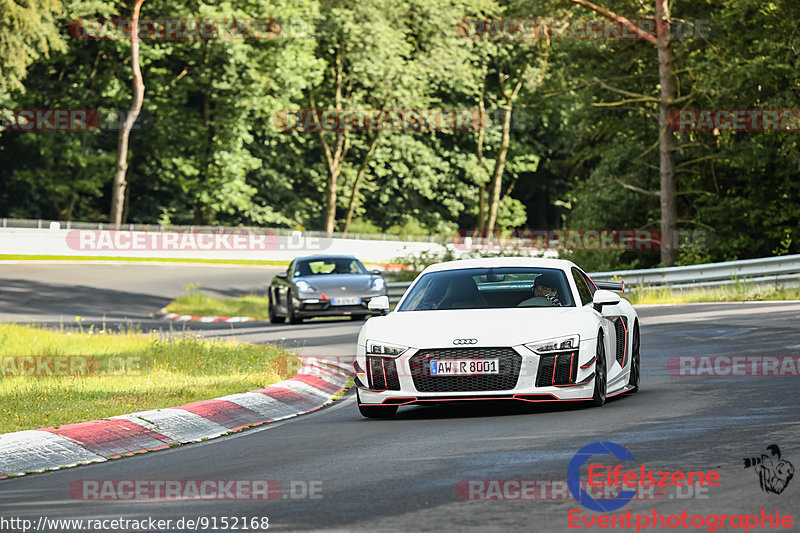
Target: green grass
x=129, y=372
x=738, y=292
x=198, y=304
x=12, y=257
x=342, y=392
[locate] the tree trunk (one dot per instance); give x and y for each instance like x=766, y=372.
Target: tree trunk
x=119, y=183
x=333, y=158
x=667, y=194
x=497, y=176
x=669, y=209
x=361, y=172
x=479, y=152
x=482, y=207
x=330, y=200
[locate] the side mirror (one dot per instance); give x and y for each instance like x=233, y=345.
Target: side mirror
x=282, y=274
x=376, y=272
x=603, y=297
x=379, y=304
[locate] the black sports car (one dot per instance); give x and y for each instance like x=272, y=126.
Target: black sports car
x=324, y=285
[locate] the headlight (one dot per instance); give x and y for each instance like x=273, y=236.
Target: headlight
x=303, y=286
x=377, y=284
x=559, y=344
x=382, y=348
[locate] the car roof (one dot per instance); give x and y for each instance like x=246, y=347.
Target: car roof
x=488, y=262
x=324, y=256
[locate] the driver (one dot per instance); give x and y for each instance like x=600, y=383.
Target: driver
x=544, y=288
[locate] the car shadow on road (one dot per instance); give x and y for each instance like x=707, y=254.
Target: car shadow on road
x=491, y=408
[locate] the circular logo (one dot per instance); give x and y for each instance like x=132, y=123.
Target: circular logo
x=465, y=341
x=574, y=477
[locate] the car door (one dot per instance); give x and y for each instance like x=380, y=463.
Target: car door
x=613, y=325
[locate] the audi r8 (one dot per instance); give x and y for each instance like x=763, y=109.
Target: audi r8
x=527, y=329
x=323, y=285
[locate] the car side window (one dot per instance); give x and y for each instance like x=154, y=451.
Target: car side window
x=589, y=283
x=583, y=288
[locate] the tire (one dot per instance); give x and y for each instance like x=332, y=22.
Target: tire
x=375, y=411
x=293, y=319
x=636, y=366
x=273, y=316
x=600, y=374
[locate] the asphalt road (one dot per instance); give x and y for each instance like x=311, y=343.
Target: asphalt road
x=402, y=474
x=53, y=292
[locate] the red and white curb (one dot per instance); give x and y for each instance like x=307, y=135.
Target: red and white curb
x=162, y=314
x=38, y=450
x=189, y=318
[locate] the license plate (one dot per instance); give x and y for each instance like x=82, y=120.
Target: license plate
x=346, y=300
x=464, y=367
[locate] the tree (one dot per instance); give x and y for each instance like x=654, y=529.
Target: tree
x=384, y=55
x=119, y=184
x=667, y=193
x=506, y=71
x=27, y=32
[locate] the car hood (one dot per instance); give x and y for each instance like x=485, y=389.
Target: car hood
x=491, y=327
x=335, y=282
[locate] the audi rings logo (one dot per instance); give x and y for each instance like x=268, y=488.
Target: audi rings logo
x=465, y=341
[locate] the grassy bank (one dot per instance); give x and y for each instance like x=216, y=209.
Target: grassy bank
x=741, y=292
x=113, y=374
x=198, y=304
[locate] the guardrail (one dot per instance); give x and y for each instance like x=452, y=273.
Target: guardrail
x=396, y=290
x=783, y=271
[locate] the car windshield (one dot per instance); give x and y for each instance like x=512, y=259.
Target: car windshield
x=489, y=288
x=329, y=265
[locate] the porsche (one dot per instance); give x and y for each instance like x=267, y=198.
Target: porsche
x=527, y=329
x=323, y=285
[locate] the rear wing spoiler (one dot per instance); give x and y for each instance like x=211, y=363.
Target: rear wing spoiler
x=610, y=285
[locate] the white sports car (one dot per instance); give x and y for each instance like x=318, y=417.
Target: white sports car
x=509, y=328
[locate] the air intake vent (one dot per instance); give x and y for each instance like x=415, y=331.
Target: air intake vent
x=557, y=369
x=621, y=327
x=383, y=373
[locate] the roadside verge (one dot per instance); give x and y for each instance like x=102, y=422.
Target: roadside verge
x=26, y=452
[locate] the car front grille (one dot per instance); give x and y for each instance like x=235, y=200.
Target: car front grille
x=509, y=360
x=383, y=373
x=557, y=369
